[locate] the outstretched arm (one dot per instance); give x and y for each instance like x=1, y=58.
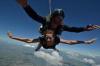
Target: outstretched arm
x=73, y=42
x=79, y=29
x=31, y=12
x=73, y=29
x=10, y=35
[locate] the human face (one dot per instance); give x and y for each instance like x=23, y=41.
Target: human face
x=57, y=20
x=49, y=38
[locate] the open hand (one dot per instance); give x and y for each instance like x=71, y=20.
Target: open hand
x=10, y=35
x=92, y=27
x=91, y=41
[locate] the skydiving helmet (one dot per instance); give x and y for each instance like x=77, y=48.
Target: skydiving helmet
x=57, y=12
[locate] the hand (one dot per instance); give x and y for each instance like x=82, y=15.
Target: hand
x=23, y=3
x=10, y=35
x=92, y=27
x=91, y=41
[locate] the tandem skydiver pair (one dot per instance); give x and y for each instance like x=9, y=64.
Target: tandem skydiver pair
x=51, y=28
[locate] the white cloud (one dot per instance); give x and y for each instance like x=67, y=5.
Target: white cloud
x=26, y=45
x=90, y=61
x=97, y=65
x=73, y=54
x=53, y=58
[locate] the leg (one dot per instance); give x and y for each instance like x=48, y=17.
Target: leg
x=73, y=42
x=10, y=35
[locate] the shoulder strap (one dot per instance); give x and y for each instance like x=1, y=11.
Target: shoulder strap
x=48, y=18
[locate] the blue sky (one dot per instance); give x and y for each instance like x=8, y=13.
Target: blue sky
x=78, y=13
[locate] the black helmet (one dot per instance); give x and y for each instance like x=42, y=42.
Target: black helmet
x=59, y=12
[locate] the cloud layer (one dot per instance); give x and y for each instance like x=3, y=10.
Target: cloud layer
x=90, y=61
x=53, y=58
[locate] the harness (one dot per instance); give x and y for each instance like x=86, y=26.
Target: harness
x=46, y=25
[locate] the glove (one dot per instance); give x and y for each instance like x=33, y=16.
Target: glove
x=23, y=3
